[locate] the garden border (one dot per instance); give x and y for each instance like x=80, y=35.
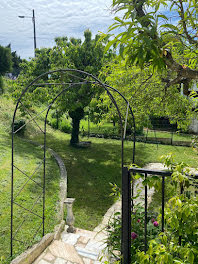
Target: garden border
x=149, y=140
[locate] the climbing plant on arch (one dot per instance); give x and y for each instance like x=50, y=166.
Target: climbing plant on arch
x=66, y=79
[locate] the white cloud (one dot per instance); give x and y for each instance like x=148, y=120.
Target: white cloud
x=53, y=18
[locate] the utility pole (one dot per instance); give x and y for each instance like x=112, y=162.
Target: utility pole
x=34, y=28
x=33, y=21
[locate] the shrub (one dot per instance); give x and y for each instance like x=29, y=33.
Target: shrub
x=137, y=235
x=17, y=125
x=53, y=123
x=1, y=85
x=179, y=242
x=137, y=223
x=181, y=221
x=65, y=126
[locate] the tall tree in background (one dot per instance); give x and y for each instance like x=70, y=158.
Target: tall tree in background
x=145, y=92
x=16, y=61
x=5, y=63
x=86, y=56
x=5, y=60
x=150, y=37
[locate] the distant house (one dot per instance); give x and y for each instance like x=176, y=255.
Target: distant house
x=193, y=128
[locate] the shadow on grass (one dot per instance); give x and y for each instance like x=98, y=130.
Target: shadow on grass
x=89, y=172
x=27, y=157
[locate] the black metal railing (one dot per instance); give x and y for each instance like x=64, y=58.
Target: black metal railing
x=127, y=206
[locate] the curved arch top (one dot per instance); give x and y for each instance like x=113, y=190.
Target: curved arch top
x=81, y=79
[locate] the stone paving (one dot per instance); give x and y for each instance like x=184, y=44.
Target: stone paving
x=86, y=247
x=81, y=247
x=139, y=186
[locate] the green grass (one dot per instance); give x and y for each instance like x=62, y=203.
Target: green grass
x=106, y=126
x=27, y=158
x=101, y=128
x=176, y=136
x=89, y=171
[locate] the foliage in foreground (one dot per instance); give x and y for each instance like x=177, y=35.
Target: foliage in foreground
x=181, y=220
x=149, y=37
x=179, y=242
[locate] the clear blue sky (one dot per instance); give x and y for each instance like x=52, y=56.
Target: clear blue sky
x=53, y=18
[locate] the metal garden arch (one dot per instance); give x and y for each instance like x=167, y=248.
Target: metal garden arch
x=82, y=78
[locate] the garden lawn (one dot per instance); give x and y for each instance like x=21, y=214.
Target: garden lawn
x=107, y=128
x=89, y=171
x=27, y=157
x=176, y=136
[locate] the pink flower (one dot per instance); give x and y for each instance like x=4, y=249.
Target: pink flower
x=152, y=220
x=155, y=223
x=139, y=220
x=133, y=235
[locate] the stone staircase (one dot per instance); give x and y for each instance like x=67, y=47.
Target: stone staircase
x=81, y=247
x=88, y=247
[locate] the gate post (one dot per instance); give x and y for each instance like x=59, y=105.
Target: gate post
x=126, y=217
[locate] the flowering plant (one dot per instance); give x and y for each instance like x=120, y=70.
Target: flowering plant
x=137, y=235
x=181, y=225
x=179, y=242
x=137, y=224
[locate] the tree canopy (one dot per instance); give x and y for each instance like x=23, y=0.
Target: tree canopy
x=161, y=34
x=86, y=56
x=145, y=92
x=5, y=60
x=16, y=61
x=5, y=63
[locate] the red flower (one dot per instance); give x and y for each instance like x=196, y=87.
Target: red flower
x=155, y=223
x=133, y=235
x=139, y=220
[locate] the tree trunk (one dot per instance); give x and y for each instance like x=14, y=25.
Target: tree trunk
x=76, y=116
x=75, y=131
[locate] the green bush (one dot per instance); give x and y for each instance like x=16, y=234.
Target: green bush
x=53, y=123
x=65, y=126
x=139, y=131
x=179, y=242
x=17, y=125
x=137, y=233
x=1, y=85
x=181, y=219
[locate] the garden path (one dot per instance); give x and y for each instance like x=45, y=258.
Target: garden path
x=81, y=247
x=87, y=247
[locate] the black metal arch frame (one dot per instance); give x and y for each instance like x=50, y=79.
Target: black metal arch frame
x=109, y=90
